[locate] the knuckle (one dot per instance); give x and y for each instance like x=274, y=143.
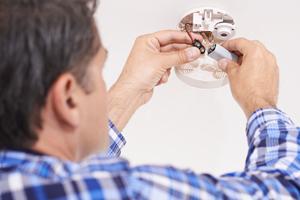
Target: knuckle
x=258, y=52
x=272, y=58
x=142, y=37
x=181, y=57
x=257, y=42
x=166, y=31
x=173, y=47
x=272, y=54
x=242, y=39
x=261, y=45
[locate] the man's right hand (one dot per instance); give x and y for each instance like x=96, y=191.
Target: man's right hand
x=254, y=79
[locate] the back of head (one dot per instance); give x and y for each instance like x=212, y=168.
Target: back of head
x=39, y=41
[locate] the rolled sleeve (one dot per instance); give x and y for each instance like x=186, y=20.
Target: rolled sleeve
x=117, y=141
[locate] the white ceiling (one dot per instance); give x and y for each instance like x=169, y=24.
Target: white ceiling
x=188, y=127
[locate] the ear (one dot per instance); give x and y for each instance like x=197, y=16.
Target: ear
x=64, y=98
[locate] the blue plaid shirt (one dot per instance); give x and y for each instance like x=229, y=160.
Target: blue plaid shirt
x=272, y=171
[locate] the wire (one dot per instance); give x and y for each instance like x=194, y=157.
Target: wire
x=195, y=42
x=188, y=32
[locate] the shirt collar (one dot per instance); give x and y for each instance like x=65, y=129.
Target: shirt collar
x=31, y=162
x=34, y=163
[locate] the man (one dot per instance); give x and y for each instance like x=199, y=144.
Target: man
x=53, y=112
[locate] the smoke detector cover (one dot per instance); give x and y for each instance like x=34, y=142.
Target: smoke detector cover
x=216, y=26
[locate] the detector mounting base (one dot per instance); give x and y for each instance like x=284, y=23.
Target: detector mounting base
x=216, y=26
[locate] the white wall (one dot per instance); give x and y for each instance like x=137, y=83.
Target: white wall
x=192, y=128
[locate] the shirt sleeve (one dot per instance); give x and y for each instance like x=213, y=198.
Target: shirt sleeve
x=272, y=168
x=117, y=141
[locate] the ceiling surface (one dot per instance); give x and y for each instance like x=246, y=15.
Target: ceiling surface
x=188, y=127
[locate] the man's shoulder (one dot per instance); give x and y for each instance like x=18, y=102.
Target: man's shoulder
x=25, y=186
x=49, y=178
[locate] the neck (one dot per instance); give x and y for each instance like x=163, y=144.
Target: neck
x=55, y=151
x=54, y=144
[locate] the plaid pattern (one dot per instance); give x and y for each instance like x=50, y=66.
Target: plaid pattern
x=117, y=141
x=271, y=172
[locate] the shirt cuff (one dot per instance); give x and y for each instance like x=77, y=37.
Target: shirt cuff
x=117, y=141
x=261, y=118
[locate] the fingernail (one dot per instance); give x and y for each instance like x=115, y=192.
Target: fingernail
x=223, y=64
x=192, y=53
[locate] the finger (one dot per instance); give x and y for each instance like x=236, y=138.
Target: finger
x=228, y=66
x=164, y=78
x=241, y=45
x=179, y=57
x=174, y=47
x=169, y=72
x=159, y=83
x=258, y=43
x=239, y=54
x=171, y=36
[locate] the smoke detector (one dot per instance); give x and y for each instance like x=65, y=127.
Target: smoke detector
x=215, y=26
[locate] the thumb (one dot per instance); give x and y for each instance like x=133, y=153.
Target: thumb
x=228, y=66
x=180, y=57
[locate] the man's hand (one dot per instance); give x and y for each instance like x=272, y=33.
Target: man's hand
x=148, y=65
x=151, y=59
x=254, y=80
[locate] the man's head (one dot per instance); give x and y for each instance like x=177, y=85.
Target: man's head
x=52, y=95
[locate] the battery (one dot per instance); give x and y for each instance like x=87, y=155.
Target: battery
x=217, y=52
